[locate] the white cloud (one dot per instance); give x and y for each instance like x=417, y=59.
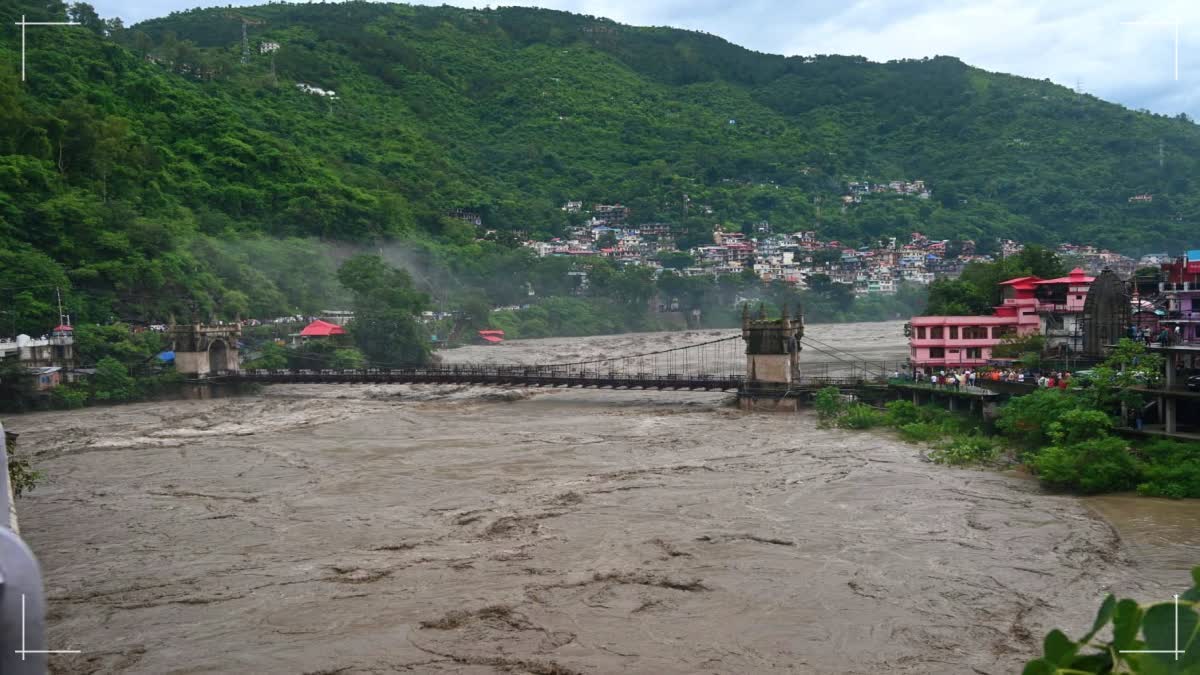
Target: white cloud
x=1068, y=41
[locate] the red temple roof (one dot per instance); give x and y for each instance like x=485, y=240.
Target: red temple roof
x=492, y=335
x=1077, y=276
x=321, y=328
x=1021, y=283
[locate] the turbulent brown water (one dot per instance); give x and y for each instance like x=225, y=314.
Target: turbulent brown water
x=470, y=530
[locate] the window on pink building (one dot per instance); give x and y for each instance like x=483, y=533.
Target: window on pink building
x=937, y=352
x=1003, y=331
x=974, y=353
x=920, y=332
x=953, y=332
x=935, y=333
x=975, y=333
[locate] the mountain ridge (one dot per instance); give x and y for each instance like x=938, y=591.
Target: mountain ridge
x=150, y=156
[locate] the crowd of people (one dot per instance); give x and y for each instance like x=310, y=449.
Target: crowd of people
x=970, y=377
x=1164, y=336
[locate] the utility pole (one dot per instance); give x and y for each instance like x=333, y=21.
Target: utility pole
x=23, y=23
x=58, y=292
x=246, y=21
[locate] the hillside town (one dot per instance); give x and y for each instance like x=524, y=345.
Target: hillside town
x=793, y=256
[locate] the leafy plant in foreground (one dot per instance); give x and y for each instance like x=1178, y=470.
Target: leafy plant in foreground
x=1163, y=627
x=21, y=475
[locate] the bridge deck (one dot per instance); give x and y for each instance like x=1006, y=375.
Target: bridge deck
x=532, y=377
x=493, y=377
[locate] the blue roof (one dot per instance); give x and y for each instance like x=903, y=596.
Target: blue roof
x=1193, y=255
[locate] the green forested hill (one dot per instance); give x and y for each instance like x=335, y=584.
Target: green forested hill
x=141, y=167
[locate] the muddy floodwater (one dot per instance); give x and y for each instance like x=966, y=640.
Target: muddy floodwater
x=369, y=529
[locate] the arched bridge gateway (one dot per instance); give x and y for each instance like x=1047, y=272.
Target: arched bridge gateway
x=761, y=362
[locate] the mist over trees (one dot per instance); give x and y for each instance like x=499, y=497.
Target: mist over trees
x=147, y=172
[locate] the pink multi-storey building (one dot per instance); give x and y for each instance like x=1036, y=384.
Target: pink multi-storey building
x=1029, y=305
x=1181, y=288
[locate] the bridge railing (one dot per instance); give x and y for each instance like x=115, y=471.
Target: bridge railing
x=22, y=600
x=517, y=375
x=865, y=371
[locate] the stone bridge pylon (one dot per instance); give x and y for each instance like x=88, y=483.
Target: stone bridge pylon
x=203, y=350
x=772, y=359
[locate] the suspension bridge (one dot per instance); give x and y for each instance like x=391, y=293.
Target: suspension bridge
x=715, y=365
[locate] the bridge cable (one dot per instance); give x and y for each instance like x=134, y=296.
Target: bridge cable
x=858, y=361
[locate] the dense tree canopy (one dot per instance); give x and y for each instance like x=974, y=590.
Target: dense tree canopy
x=147, y=171
x=978, y=289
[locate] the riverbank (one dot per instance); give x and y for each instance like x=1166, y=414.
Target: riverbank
x=316, y=528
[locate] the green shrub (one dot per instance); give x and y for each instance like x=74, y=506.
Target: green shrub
x=860, y=416
x=68, y=397
x=829, y=405
x=1172, y=469
x=921, y=432
x=1077, y=426
x=966, y=449
x=1026, y=420
x=900, y=413
x=1097, y=465
x=112, y=381
x=156, y=384
x=349, y=358
x=272, y=357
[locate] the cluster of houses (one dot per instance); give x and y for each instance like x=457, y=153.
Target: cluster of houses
x=794, y=256
x=1166, y=311
x=857, y=190
x=1095, y=259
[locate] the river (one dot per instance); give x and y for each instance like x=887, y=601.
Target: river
x=358, y=529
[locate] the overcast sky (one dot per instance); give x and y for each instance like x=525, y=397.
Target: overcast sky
x=1121, y=51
